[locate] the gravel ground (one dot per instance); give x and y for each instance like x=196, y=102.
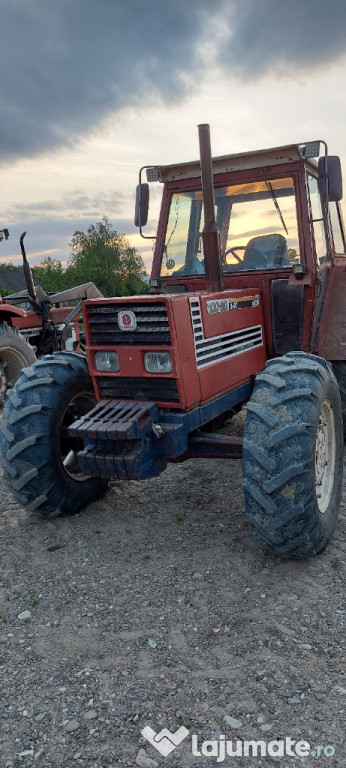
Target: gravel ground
x=155, y=607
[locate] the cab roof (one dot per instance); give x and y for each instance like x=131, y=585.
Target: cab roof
x=238, y=162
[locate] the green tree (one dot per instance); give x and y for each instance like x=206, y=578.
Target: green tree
x=51, y=274
x=4, y=292
x=107, y=259
x=9, y=265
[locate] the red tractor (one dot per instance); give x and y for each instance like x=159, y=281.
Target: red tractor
x=33, y=324
x=246, y=307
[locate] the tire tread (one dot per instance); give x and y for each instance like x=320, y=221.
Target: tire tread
x=279, y=455
x=32, y=466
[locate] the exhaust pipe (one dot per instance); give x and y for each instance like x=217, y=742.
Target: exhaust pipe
x=211, y=232
x=27, y=271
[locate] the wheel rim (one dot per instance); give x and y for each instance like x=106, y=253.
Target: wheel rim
x=325, y=456
x=81, y=404
x=11, y=364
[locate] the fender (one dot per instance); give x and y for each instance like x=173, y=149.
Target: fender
x=8, y=310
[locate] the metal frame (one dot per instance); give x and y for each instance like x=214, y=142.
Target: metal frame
x=135, y=440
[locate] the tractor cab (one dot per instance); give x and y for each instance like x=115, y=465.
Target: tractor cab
x=281, y=232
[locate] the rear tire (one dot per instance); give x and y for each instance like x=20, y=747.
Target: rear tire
x=293, y=456
x=38, y=456
x=15, y=354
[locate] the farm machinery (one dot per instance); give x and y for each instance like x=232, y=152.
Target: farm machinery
x=33, y=324
x=246, y=308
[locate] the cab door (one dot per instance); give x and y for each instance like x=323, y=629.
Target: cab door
x=332, y=335
x=321, y=247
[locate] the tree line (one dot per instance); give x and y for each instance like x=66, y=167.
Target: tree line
x=102, y=256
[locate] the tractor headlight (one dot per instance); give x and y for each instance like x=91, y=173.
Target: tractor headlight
x=158, y=362
x=107, y=361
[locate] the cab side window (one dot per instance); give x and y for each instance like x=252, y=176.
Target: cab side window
x=316, y=221
x=337, y=228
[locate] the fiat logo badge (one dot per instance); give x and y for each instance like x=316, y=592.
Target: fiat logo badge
x=127, y=320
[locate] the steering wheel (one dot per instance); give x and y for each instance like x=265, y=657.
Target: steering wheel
x=233, y=252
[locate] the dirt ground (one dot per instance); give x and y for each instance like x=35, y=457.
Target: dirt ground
x=154, y=607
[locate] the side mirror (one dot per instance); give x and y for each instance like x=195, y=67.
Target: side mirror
x=142, y=205
x=330, y=178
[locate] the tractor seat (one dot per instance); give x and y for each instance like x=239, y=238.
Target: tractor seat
x=194, y=267
x=265, y=251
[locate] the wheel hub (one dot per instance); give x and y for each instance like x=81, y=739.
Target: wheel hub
x=78, y=406
x=325, y=456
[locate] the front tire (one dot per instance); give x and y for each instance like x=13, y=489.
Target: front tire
x=293, y=456
x=339, y=368
x=38, y=456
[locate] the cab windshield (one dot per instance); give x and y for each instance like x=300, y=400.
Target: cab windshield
x=258, y=228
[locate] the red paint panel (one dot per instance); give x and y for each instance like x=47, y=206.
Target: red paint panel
x=10, y=310
x=332, y=336
x=185, y=351
x=240, y=313
x=197, y=381
x=32, y=320
x=222, y=377
x=131, y=357
x=231, y=349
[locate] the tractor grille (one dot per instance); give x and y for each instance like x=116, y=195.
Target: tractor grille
x=133, y=388
x=152, y=324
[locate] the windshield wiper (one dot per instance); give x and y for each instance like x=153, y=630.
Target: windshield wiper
x=270, y=188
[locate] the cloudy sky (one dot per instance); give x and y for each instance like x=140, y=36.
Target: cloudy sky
x=90, y=91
